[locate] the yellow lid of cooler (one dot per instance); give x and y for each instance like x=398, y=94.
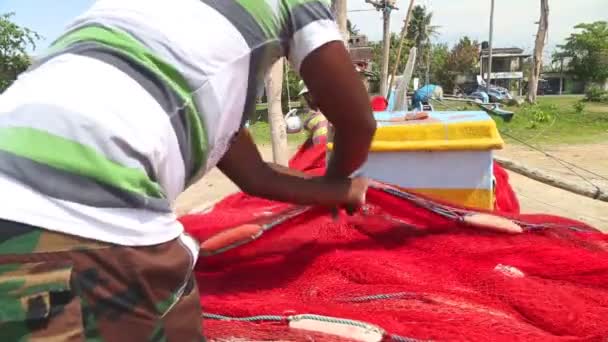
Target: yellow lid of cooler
x=442, y=131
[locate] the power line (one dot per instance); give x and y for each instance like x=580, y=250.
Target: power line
x=362, y=10
x=570, y=166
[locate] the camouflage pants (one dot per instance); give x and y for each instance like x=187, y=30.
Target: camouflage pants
x=55, y=287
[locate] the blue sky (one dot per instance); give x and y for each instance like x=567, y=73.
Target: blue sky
x=514, y=23
x=47, y=17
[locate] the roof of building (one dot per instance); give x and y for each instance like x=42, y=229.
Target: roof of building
x=505, y=52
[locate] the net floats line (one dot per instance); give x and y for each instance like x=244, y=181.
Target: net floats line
x=347, y=328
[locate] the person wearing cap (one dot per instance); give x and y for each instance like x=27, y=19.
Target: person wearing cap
x=425, y=94
x=314, y=122
x=136, y=101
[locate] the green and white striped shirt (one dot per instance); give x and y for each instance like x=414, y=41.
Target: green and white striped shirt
x=134, y=102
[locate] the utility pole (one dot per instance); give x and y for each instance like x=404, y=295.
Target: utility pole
x=386, y=49
x=339, y=9
x=490, y=48
x=537, y=62
x=386, y=6
x=561, y=75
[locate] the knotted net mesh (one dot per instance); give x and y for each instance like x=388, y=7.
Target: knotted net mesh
x=404, y=267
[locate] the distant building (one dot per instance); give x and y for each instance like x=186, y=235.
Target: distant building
x=507, y=67
x=361, y=53
x=555, y=82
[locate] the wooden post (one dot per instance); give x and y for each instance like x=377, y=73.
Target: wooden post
x=540, y=176
x=340, y=9
x=537, y=62
x=274, y=89
x=406, y=24
x=386, y=48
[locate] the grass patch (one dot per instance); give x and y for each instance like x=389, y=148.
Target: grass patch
x=558, y=120
x=554, y=120
x=261, y=134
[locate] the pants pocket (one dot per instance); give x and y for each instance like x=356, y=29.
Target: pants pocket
x=37, y=303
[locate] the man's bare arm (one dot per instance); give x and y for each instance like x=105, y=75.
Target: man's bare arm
x=336, y=86
x=245, y=167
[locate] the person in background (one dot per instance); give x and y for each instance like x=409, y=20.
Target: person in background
x=135, y=102
x=423, y=95
x=313, y=121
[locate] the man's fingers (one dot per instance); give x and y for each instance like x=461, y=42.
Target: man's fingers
x=335, y=213
x=350, y=209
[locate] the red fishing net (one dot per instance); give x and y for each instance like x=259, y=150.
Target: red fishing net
x=505, y=200
x=406, y=265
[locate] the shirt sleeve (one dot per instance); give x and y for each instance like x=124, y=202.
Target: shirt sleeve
x=312, y=26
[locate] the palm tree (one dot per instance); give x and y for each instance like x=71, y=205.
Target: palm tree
x=420, y=31
x=353, y=30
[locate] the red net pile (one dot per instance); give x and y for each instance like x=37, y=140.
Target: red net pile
x=406, y=269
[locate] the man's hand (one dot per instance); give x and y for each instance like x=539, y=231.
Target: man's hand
x=337, y=88
x=356, y=194
x=245, y=167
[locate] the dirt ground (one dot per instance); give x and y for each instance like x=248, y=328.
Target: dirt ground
x=534, y=197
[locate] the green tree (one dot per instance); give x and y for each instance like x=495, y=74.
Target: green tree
x=446, y=64
x=464, y=57
x=587, y=52
x=353, y=30
x=392, y=58
x=419, y=34
x=291, y=87
x=420, y=31
x=14, y=42
x=439, y=74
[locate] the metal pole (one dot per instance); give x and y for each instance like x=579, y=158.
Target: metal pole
x=386, y=16
x=490, y=47
x=561, y=76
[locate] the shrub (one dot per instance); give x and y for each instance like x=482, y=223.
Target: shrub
x=537, y=114
x=579, y=107
x=596, y=94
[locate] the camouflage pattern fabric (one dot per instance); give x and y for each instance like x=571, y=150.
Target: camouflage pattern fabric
x=55, y=287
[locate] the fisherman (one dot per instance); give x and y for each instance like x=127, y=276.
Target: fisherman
x=423, y=95
x=132, y=104
x=314, y=122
